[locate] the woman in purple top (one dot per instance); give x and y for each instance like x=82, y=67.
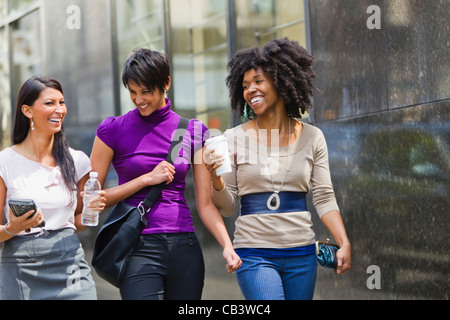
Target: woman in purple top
x=168, y=263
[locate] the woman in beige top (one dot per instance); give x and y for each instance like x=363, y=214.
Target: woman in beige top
x=275, y=161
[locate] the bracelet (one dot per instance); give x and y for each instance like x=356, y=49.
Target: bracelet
x=11, y=234
x=37, y=235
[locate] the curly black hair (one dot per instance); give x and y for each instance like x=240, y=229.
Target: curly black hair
x=290, y=66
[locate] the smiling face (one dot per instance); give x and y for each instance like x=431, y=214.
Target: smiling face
x=47, y=112
x=260, y=92
x=146, y=100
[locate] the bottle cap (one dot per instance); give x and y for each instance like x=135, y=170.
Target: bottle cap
x=93, y=174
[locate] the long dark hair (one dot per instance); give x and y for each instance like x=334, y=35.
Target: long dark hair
x=28, y=95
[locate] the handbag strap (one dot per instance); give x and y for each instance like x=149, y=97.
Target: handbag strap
x=156, y=189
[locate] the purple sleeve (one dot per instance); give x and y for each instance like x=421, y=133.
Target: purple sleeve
x=106, y=132
x=199, y=134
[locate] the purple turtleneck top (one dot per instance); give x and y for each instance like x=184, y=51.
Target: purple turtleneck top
x=140, y=144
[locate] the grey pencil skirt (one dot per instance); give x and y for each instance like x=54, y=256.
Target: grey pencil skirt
x=49, y=267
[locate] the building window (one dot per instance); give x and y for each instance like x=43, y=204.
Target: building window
x=139, y=25
x=199, y=52
x=197, y=39
x=21, y=5
x=20, y=56
x=2, y=11
x=26, y=48
x=5, y=94
x=259, y=21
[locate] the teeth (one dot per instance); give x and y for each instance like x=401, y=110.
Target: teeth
x=143, y=107
x=256, y=100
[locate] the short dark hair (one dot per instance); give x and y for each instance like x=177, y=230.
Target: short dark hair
x=290, y=66
x=147, y=68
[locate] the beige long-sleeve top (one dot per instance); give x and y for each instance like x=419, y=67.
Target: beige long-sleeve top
x=308, y=169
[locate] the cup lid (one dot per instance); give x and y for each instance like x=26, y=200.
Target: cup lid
x=215, y=139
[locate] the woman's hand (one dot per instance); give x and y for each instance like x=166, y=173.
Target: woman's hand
x=164, y=172
x=212, y=162
x=24, y=223
x=232, y=259
x=333, y=222
x=343, y=256
x=98, y=203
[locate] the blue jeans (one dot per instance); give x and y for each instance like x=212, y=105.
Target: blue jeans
x=292, y=278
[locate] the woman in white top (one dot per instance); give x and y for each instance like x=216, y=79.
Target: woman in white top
x=38, y=264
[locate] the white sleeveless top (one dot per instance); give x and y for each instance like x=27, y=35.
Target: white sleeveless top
x=27, y=179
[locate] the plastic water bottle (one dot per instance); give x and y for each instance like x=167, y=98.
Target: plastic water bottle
x=89, y=217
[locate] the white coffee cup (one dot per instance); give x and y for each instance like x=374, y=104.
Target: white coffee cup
x=220, y=146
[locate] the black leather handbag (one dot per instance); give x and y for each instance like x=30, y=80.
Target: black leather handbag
x=120, y=233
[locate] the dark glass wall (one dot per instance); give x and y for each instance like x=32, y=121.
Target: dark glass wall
x=384, y=107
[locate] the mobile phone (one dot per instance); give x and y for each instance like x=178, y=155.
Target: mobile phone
x=21, y=206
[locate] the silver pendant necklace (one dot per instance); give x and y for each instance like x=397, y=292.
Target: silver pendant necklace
x=274, y=202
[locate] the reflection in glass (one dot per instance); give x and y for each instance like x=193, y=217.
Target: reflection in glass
x=2, y=10
x=260, y=21
x=20, y=5
x=199, y=45
x=200, y=57
x=391, y=173
x=139, y=25
x=26, y=50
x=5, y=103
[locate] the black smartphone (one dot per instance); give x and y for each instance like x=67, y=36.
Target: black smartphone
x=21, y=206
